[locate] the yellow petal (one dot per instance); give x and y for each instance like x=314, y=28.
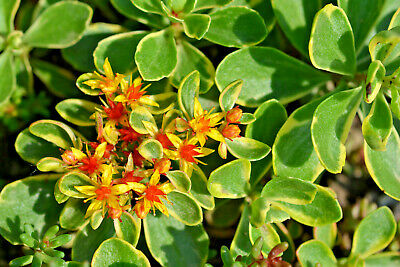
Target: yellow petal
x=137, y=81
x=137, y=187
x=146, y=100
x=120, y=98
x=205, y=151
x=175, y=140
x=107, y=175
x=113, y=203
x=161, y=207
x=216, y=135
x=201, y=138
x=215, y=118
x=94, y=206
x=99, y=152
x=120, y=189
x=88, y=190
x=77, y=153
x=167, y=187
x=107, y=69
x=155, y=178
x=173, y=155
x=198, y=110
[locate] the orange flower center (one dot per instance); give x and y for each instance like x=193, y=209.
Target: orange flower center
x=129, y=135
x=115, y=111
x=134, y=93
x=90, y=165
x=152, y=193
x=200, y=125
x=103, y=192
x=188, y=152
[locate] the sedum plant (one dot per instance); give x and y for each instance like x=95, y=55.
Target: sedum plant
x=49, y=25
x=144, y=155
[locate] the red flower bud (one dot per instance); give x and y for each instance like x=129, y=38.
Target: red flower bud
x=234, y=115
x=69, y=157
x=231, y=131
x=162, y=165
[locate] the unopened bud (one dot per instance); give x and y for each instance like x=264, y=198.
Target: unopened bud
x=69, y=157
x=162, y=165
x=231, y=131
x=234, y=115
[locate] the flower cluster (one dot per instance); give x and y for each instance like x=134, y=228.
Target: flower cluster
x=132, y=154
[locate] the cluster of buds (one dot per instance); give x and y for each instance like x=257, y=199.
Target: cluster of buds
x=124, y=172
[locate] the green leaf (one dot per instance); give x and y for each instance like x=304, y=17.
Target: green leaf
x=60, y=197
x=236, y=27
x=264, y=71
x=322, y=210
x=331, y=125
x=241, y=244
x=276, y=215
x=259, y=209
x=88, y=240
x=80, y=55
x=54, y=132
x=377, y=126
x=126, y=44
x=395, y=102
x=314, y=252
x=151, y=149
x=77, y=111
x=49, y=164
x=155, y=65
x=389, y=259
x=23, y=73
x=289, y=190
x=166, y=102
x=151, y=6
x=383, y=166
x=173, y=243
x=129, y=10
x=376, y=73
x=247, y=148
x=374, y=232
x=115, y=251
x=190, y=59
x=8, y=9
x=96, y=219
x=59, y=81
x=73, y=214
x=293, y=154
x=270, y=116
x=184, y=208
x=247, y=118
x=187, y=92
x=269, y=235
x=383, y=44
x=206, y=4
x=86, y=89
x=327, y=234
x=331, y=44
x=7, y=78
x=230, y=180
x=295, y=18
x=180, y=180
x=362, y=16
x=229, y=95
x=139, y=114
x=21, y=261
x=28, y=201
x=199, y=189
x=127, y=227
x=196, y=25
x=32, y=148
x=225, y=213
x=68, y=182
x=59, y=26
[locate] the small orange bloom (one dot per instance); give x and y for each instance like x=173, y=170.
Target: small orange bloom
x=234, y=115
x=231, y=131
